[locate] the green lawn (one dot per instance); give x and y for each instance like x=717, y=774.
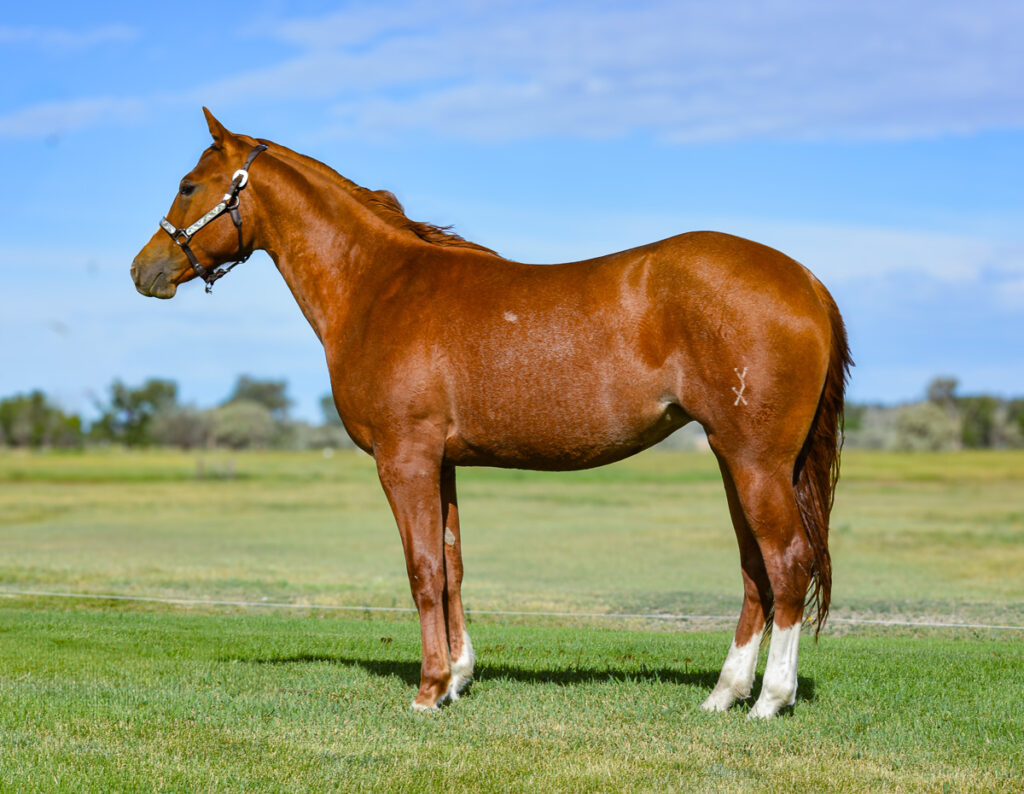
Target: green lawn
x=121, y=701
x=105, y=696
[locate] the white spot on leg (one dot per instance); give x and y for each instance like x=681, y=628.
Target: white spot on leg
x=737, y=676
x=462, y=669
x=779, y=687
x=449, y=537
x=510, y=317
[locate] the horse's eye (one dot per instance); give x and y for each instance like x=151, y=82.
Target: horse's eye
x=186, y=189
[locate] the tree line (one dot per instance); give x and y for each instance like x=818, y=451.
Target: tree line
x=255, y=415
x=943, y=420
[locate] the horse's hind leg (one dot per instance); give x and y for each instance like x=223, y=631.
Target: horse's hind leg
x=769, y=503
x=737, y=675
x=459, y=647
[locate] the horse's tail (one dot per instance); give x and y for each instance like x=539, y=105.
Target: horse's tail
x=817, y=467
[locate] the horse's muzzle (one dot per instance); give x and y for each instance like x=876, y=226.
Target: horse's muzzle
x=151, y=280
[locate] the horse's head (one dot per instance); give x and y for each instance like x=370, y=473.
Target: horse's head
x=192, y=239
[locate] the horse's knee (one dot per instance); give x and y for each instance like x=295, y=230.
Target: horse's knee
x=426, y=581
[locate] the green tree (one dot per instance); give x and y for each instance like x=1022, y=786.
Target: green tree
x=853, y=416
x=241, y=424
x=31, y=420
x=330, y=411
x=272, y=394
x=128, y=416
x=980, y=416
x=926, y=427
x=942, y=392
x=1015, y=416
x=182, y=426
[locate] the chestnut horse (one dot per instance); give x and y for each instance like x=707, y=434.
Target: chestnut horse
x=442, y=354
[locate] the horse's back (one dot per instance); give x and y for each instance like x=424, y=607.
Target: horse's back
x=708, y=268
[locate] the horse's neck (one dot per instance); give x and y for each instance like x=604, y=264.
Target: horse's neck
x=323, y=243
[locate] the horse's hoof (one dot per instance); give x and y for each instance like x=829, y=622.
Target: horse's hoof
x=718, y=701
x=768, y=707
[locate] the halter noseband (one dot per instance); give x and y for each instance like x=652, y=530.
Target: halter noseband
x=228, y=204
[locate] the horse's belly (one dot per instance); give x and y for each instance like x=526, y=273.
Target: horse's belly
x=545, y=437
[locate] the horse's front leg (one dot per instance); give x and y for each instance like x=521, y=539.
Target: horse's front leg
x=411, y=477
x=459, y=647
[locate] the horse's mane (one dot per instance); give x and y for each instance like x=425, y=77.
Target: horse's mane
x=383, y=203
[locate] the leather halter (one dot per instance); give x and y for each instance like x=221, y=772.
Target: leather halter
x=228, y=204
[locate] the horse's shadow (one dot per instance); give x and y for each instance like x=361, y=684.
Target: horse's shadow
x=409, y=672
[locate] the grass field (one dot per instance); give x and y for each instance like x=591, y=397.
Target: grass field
x=100, y=695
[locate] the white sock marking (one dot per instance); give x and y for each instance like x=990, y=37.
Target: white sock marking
x=462, y=669
x=737, y=676
x=779, y=686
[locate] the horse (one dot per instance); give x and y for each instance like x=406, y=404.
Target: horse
x=443, y=354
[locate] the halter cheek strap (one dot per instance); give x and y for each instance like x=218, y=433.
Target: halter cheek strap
x=228, y=204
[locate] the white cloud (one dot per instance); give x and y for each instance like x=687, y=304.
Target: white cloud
x=54, y=118
x=679, y=71
x=356, y=25
x=1011, y=294
x=64, y=39
x=684, y=72
x=852, y=253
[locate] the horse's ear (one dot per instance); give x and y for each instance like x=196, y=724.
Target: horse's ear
x=216, y=128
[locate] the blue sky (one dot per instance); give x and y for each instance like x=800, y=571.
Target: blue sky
x=880, y=143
